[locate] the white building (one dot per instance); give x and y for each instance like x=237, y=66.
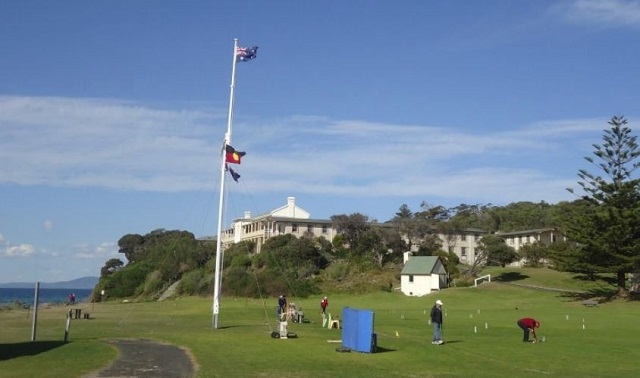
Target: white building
x=422, y=274
x=518, y=239
x=288, y=219
x=292, y=219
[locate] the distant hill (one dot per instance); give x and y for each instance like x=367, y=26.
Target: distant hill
x=78, y=283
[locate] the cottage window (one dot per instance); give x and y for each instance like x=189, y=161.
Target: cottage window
x=411, y=278
x=294, y=227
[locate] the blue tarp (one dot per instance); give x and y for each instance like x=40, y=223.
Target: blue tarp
x=357, y=330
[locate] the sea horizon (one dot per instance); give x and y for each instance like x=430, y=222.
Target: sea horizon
x=26, y=296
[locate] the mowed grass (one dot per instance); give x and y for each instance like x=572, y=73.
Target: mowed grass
x=482, y=338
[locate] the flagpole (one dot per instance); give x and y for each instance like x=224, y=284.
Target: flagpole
x=227, y=140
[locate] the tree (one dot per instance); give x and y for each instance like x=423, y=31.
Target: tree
x=608, y=233
x=476, y=216
x=534, y=254
x=386, y=245
x=494, y=251
x=131, y=245
x=110, y=267
x=414, y=228
x=352, y=227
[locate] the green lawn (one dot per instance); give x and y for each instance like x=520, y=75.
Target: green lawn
x=480, y=330
x=602, y=285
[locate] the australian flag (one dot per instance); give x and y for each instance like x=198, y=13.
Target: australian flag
x=245, y=54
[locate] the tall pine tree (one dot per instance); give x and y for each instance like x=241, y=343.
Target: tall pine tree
x=608, y=232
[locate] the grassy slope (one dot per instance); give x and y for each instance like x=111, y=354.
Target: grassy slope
x=242, y=346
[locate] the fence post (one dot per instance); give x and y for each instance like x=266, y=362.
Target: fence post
x=67, y=327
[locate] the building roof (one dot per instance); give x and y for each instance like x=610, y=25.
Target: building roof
x=526, y=232
x=417, y=265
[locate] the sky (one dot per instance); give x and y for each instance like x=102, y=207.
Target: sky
x=113, y=113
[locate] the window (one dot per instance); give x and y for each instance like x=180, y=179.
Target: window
x=294, y=227
x=310, y=228
x=463, y=251
x=411, y=278
x=324, y=228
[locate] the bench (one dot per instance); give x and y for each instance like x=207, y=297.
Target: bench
x=590, y=303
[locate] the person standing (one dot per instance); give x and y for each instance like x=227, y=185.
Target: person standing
x=324, y=303
x=282, y=305
x=436, y=321
x=529, y=324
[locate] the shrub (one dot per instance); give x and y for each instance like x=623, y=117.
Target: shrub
x=190, y=282
x=464, y=281
x=153, y=283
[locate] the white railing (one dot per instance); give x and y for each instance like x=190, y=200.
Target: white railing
x=481, y=279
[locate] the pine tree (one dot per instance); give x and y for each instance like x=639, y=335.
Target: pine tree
x=608, y=232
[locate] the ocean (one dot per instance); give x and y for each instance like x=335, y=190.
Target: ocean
x=53, y=296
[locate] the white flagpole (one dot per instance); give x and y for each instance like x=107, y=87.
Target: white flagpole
x=227, y=140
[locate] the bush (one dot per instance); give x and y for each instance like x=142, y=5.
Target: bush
x=153, y=283
x=337, y=271
x=190, y=282
x=464, y=281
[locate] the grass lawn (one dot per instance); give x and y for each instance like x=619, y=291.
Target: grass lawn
x=482, y=338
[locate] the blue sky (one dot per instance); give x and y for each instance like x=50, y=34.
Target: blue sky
x=112, y=113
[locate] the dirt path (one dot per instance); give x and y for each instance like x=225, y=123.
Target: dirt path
x=144, y=358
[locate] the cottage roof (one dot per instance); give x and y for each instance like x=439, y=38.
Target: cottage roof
x=418, y=265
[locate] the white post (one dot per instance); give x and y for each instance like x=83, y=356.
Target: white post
x=35, y=312
x=227, y=140
x=67, y=327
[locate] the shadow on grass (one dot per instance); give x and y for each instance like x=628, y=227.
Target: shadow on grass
x=383, y=350
x=511, y=276
x=30, y=348
x=601, y=295
x=611, y=280
x=604, y=294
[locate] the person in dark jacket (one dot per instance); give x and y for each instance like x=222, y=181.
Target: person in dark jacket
x=529, y=324
x=436, y=321
x=282, y=305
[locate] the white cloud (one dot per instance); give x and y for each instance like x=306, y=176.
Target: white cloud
x=47, y=225
x=604, y=12
x=22, y=250
x=103, y=251
x=124, y=146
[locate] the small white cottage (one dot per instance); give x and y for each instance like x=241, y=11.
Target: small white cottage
x=422, y=274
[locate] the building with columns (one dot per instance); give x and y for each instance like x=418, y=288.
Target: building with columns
x=294, y=220
x=288, y=219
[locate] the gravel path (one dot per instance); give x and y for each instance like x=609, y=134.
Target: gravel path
x=144, y=358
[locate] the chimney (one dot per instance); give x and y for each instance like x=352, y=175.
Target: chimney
x=291, y=206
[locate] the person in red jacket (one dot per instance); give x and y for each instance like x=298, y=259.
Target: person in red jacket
x=529, y=324
x=323, y=305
